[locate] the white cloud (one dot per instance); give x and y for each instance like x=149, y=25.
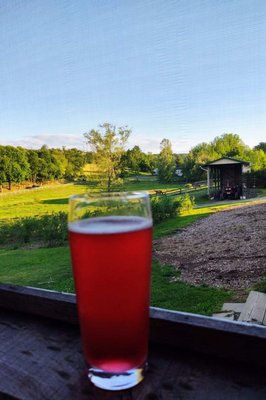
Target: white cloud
x=146, y=143
x=51, y=140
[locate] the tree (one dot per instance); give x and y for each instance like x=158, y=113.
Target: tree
x=46, y=166
x=261, y=146
x=107, y=144
x=34, y=161
x=198, y=156
x=134, y=157
x=229, y=145
x=226, y=145
x=166, y=164
x=257, y=159
x=3, y=166
x=14, y=165
x=149, y=162
x=75, y=162
x=60, y=162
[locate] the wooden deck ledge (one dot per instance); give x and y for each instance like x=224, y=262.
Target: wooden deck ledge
x=228, y=339
x=190, y=356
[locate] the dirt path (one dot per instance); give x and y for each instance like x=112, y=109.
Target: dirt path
x=226, y=249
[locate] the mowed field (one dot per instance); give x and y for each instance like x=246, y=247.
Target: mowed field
x=50, y=268
x=34, y=202
x=39, y=201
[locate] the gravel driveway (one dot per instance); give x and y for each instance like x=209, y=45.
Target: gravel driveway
x=226, y=249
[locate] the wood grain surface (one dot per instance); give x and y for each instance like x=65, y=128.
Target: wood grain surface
x=41, y=359
x=232, y=340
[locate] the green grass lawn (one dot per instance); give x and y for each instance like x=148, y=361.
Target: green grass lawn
x=170, y=293
x=43, y=268
x=149, y=184
x=172, y=225
x=261, y=286
x=50, y=268
x=39, y=201
x=54, y=199
x=262, y=192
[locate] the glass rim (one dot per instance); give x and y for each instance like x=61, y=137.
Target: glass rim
x=110, y=195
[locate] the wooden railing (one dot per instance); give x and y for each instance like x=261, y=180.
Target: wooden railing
x=191, y=356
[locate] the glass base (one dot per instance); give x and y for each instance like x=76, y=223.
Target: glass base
x=117, y=380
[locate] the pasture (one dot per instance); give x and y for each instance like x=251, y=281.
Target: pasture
x=44, y=200
x=50, y=268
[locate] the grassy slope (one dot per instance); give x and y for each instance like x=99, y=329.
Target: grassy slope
x=45, y=268
x=148, y=185
x=37, y=202
x=51, y=269
x=55, y=199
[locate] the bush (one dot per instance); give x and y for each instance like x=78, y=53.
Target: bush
x=54, y=229
x=185, y=203
x=164, y=207
x=50, y=230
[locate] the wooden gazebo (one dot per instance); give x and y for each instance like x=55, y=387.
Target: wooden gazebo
x=225, y=178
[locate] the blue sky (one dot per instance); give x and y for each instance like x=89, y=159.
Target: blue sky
x=186, y=70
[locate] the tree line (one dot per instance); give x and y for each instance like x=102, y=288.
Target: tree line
x=37, y=166
x=226, y=145
x=108, y=150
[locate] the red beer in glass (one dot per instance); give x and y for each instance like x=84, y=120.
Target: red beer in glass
x=111, y=259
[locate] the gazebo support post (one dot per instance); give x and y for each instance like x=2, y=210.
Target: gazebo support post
x=208, y=181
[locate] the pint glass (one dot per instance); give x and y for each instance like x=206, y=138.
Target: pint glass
x=110, y=241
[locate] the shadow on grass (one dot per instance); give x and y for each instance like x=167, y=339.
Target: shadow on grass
x=88, y=184
x=56, y=201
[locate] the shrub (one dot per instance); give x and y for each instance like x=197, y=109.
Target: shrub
x=162, y=208
x=50, y=230
x=165, y=207
x=54, y=229
x=185, y=203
